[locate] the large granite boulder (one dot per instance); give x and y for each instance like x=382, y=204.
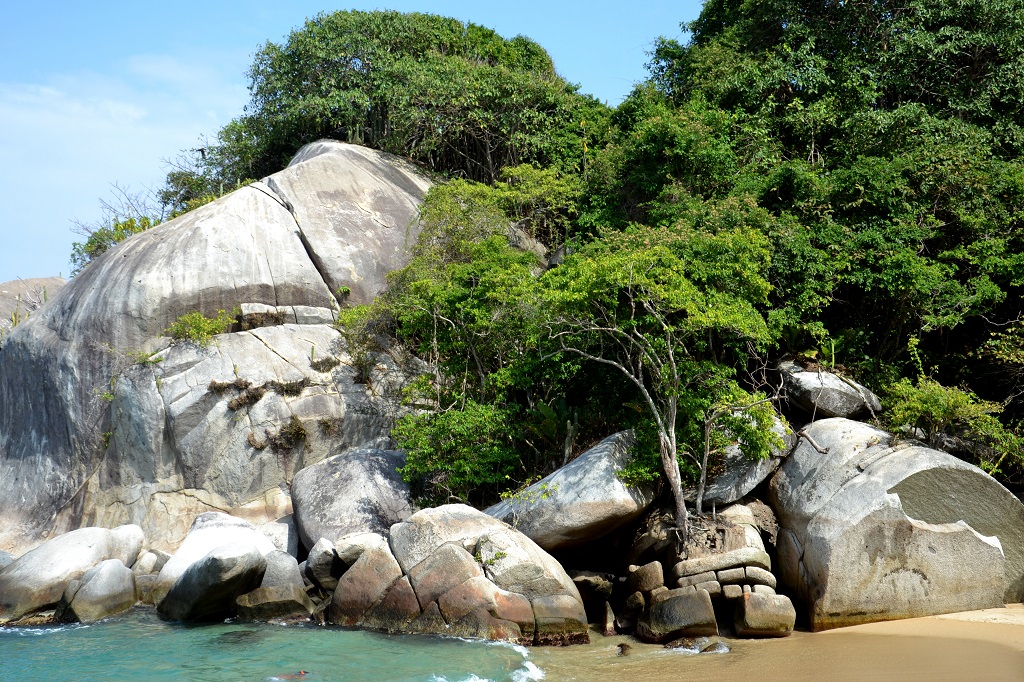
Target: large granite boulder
x=878, y=530
x=37, y=580
x=454, y=570
x=209, y=588
x=579, y=502
x=283, y=534
x=208, y=532
x=197, y=429
x=105, y=590
x=740, y=475
x=358, y=490
x=825, y=394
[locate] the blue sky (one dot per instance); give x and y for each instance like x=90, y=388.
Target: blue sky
x=93, y=94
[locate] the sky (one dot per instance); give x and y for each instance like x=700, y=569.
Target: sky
x=100, y=96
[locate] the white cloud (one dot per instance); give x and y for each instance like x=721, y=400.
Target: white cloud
x=64, y=141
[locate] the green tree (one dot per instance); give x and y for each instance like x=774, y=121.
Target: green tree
x=454, y=96
x=667, y=309
x=103, y=238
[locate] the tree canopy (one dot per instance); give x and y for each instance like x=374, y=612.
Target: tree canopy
x=455, y=97
x=838, y=180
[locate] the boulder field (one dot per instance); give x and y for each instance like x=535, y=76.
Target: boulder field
x=192, y=429
x=192, y=478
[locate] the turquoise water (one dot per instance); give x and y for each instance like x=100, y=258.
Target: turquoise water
x=139, y=646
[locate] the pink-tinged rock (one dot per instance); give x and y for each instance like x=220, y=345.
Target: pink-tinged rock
x=396, y=610
x=561, y=620
x=363, y=585
x=448, y=567
x=480, y=593
x=430, y=622
x=480, y=623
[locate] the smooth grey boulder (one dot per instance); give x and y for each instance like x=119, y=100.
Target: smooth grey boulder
x=825, y=394
x=580, y=502
x=363, y=219
x=322, y=566
x=741, y=475
x=37, y=580
x=282, y=569
x=208, y=532
x=6, y=558
x=764, y=615
x=146, y=564
x=283, y=534
x=358, y=490
x=688, y=614
x=105, y=590
x=338, y=216
x=208, y=588
x=350, y=547
x=880, y=530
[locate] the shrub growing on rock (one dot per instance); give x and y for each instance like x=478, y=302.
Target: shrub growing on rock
x=194, y=327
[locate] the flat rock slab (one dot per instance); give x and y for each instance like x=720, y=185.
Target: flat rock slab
x=276, y=602
x=748, y=556
x=580, y=502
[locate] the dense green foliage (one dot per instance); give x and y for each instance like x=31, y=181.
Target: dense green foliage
x=883, y=138
x=839, y=180
x=453, y=96
x=832, y=180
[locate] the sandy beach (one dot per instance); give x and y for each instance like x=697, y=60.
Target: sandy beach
x=976, y=645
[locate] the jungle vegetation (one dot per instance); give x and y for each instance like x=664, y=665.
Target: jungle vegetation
x=840, y=181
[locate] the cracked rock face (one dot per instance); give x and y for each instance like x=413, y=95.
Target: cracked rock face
x=456, y=571
x=166, y=447
x=875, y=530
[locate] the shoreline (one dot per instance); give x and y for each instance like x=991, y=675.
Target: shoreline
x=975, y=645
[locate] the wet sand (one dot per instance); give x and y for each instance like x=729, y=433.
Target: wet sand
x=977, y=645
